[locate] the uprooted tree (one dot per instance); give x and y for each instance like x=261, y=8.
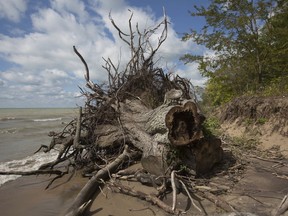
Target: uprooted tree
x=142, y=114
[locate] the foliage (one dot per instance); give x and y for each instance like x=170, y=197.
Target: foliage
x=261, y=121
x=249, y=42
x=211, y=126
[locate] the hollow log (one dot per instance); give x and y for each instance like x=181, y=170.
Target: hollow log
x=184, y=124
x=183, y=137
x=167, y=136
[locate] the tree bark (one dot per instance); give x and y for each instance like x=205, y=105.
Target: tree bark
x=167, y=136
x=166, y=129
x=184, y=124
x=83, y=198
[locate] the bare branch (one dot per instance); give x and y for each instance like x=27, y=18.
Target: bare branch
x=87, y=77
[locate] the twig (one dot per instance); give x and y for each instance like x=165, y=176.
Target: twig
x=192, y=201
x=142, y=209
x=280, y=176
x=57, y=177
x=282, y=207
x=174, y=190
x=268, y=160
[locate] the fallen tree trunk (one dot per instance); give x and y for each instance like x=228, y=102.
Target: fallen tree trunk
x=171, y=135
x=168, y=136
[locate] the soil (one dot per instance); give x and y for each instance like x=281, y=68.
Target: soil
x=264, y=119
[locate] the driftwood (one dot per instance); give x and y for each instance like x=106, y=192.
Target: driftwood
x=178, y=129
x=82, y=200
x=148, y=111
x=141, y=195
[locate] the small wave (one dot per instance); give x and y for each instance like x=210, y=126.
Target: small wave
x=9, y=131
x=45, y=120
x=29, y=163
x=7, y=118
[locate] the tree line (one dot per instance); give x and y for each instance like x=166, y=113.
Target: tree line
x=249, y=42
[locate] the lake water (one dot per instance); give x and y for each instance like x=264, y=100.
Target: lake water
x=23, y=131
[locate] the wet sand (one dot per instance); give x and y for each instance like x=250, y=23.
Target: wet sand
x=27, y=196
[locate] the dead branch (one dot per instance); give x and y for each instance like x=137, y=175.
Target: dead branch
x=78, y=129
x=188, y=194
x=283, y=207
x=218, y=202
x=87, y=76
x=141, y=195
x=33, y=172
x=93, y=184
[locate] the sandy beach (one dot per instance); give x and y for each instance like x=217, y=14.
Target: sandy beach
x=259, y=192
x=27, y=196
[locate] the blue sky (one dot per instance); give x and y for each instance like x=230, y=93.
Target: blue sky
x=38, y=67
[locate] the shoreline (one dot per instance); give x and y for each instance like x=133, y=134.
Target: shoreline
x=259, y=192
x=27, y=196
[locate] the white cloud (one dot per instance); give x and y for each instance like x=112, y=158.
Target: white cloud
x=12, y=9
x=75, y=7
x=2, y=83
x=48, y=70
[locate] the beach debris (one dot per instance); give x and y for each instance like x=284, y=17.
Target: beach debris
x=134, y=118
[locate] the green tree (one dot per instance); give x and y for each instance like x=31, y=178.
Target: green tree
x=275, y=35
x=240, y=34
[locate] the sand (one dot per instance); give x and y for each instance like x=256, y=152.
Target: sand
x=27, y=196
x=259, y=191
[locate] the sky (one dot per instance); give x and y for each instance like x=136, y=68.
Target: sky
x=38, y=67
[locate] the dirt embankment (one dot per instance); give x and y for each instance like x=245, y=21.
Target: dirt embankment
x=264, y=119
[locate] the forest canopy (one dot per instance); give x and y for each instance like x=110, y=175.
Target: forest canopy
x=249, y=42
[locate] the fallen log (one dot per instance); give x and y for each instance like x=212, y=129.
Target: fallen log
x=172, y=135
x=167, y=136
